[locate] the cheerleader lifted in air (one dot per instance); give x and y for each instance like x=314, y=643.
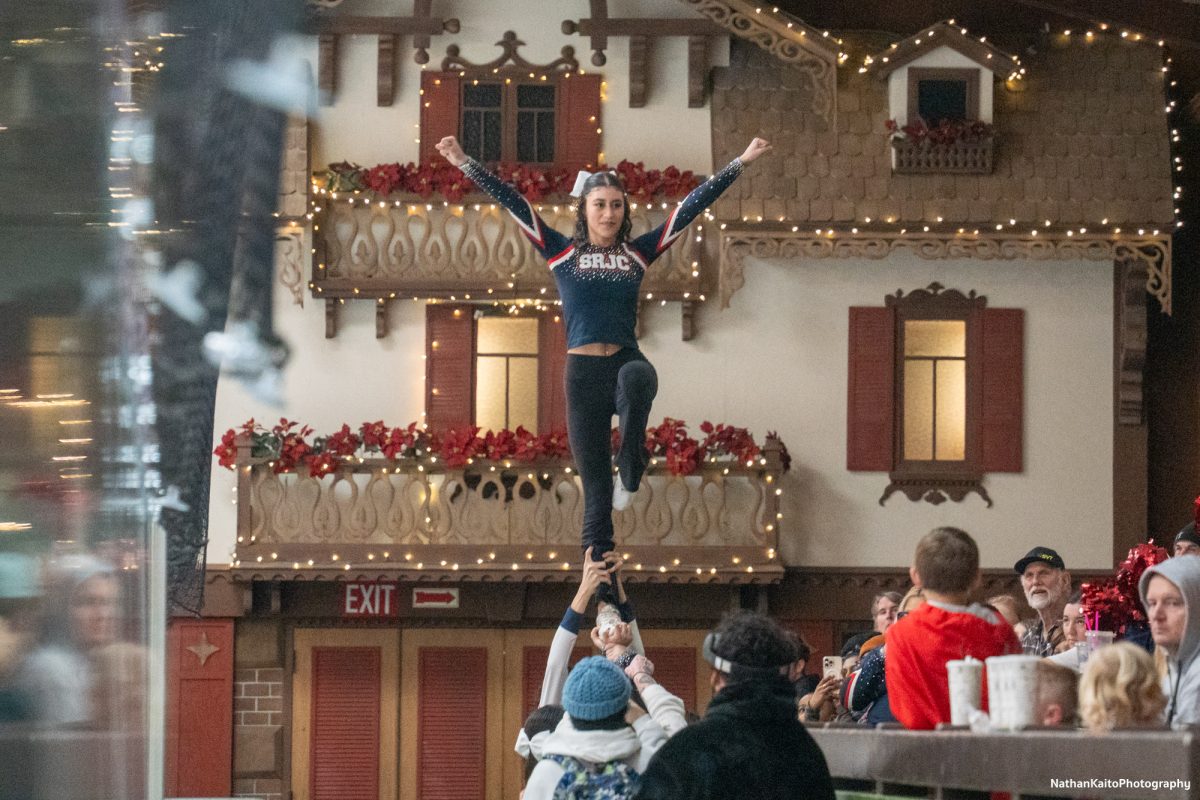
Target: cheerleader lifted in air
x=599, y=272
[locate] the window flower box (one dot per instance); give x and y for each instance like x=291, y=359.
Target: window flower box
x=952, y=147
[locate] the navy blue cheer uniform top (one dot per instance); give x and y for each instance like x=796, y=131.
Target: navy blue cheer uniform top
x=599, y=286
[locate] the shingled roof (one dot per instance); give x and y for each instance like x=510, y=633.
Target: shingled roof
x=1085, y=139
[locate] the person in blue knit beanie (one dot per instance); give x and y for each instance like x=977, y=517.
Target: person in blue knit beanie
x=602, y=737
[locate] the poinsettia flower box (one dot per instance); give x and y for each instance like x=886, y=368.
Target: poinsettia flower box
x=951, y=147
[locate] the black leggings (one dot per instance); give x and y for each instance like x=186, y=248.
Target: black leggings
x=598, y=387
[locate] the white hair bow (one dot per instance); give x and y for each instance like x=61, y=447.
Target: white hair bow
x=580, y=180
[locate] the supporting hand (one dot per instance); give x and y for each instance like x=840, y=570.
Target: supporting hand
x=755, y=149
x=452, y=151
x=594, y=574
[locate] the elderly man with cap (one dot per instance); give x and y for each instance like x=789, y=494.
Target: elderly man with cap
x=1047, y=585
x=1187, y=541
x=750, y=745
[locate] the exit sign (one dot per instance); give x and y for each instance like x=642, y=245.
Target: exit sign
x=371, y=599
x=435, y=598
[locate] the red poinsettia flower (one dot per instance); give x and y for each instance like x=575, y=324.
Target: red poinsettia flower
x=322, y=464
x=401, y=442
x=373, y=434
x=554, y=444
x=684, y=457
x=458, y=446
x=226, y=451
x=498, y=446
x=726, y=440
x=342, y=443
x=383, y=179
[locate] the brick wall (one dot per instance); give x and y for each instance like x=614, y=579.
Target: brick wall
x=258, y=712
x=258, y=696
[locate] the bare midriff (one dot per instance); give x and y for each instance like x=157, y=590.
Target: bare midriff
x=595, y=349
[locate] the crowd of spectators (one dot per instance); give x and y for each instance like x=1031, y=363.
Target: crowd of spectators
x=608, y=729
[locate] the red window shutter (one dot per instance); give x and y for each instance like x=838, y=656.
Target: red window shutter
x=675, y=669
x=452, y=723
x=441, y=101
x=199, y=725
x=344, y=758
x=870, y=411
x=533, y=670
x=578, y=118
x=1003, y=378
x=449, y=366
x=552, y=361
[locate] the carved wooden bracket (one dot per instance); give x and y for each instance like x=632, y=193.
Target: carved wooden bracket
x=1131, y=330
x=771, y=241
x=936, y=490
x=509, y=60
x=813, y=53
x=642, y=32
x=290, y=260
x=421, y=26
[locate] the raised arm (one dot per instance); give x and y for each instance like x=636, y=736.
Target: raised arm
x=549, y=242
x=652, y=244
x=559, y=658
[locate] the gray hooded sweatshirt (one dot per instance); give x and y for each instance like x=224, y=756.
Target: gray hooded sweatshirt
x=1182, y=683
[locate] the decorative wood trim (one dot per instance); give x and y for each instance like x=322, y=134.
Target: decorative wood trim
x=599, y=12
x=331, y=305
x=327, y=58
x=423, y=9
x=944, y=34
x=813, y=53
x=769, y=241
x=936, y=490
x=656, y=27
x=639, y=68
x=1131, y=333
x=421, y=26
x=687, y=313
x=385, y=85
x=289, y=261
x=381, y=320
x=698, y=69
x=509, y=61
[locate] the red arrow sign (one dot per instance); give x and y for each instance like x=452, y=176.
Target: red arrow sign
x=442, y=598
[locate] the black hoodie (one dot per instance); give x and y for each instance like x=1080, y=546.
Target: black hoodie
x=750, y=745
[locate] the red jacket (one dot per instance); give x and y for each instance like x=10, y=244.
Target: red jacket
x=920, y=644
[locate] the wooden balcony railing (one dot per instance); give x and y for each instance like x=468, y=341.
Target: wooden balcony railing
x=505, y=521
x=397, y=250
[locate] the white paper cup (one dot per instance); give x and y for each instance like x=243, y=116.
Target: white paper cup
x=1098, y=639
x=966, y=688
x=1012, y=691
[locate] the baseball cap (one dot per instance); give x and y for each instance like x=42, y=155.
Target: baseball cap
x=1043, y=554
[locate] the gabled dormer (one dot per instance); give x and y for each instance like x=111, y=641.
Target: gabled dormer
x=941, y=84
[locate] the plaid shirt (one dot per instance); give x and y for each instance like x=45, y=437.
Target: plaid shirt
x=1036, y=641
